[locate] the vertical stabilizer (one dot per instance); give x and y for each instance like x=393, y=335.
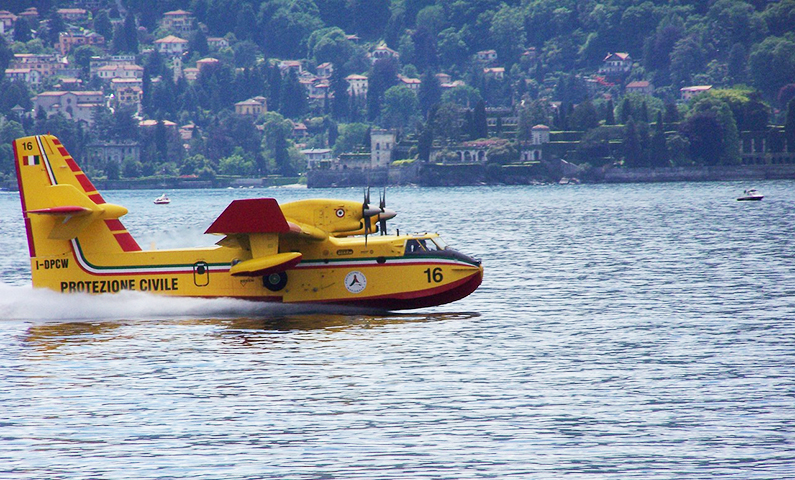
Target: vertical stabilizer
x=62, y=209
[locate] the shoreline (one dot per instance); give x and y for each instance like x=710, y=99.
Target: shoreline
x=464, y=175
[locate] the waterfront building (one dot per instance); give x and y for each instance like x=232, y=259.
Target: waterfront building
x=316, y=156
x=381, y=144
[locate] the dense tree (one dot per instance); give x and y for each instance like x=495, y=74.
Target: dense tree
x=382, y=77
x=789, y=126
x=293, y=102
x=772, y=64
x=712, y=132
x=453, y=50
x=351, y=137
x=368, y=17
x=5, y=56
x=401, y=107
x=780, y=17
x=246, y=23
x=22, y=30
x=688, y=58
x=330, y=45
x=480, y=121
x=287, y=27
x=632, y=150
x=463, y=96
x=131, y=33
x=55, y=25
x=584, y=117
x=430, y=92
x=102, y=24
x=658, y=150
x=197, y=43
x=732, y=22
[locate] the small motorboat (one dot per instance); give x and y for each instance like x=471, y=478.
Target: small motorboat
x=162, y=200
x=750, y=195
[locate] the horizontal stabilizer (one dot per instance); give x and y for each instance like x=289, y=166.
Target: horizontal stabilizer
x=65, y=211
x=77, y=210
x=255, y=215
x=261, y=266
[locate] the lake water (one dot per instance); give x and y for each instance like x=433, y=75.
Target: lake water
x=621, y=331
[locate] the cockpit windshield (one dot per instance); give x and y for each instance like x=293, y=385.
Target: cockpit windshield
x=418, y=245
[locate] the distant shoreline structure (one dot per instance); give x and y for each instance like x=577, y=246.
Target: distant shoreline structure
x=468, y=175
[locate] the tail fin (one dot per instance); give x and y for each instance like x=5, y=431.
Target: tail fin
x=62, y=209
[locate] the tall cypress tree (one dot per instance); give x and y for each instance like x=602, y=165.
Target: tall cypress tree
x=339, y=88
x=131, y=33
x=481, y=126
x=430, y=92
x=293, y=96
x=789, y=126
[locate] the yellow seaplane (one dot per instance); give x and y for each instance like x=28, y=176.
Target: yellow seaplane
x=321, y=251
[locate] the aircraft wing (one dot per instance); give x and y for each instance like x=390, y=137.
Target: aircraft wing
x=256, y=224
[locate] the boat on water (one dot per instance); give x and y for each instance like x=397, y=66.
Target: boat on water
x=162, y=200
x=750, y=195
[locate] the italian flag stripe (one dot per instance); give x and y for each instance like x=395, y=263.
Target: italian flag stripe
x=31, y=159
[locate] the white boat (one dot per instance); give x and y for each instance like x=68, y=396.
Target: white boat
x=162, y=200
x=750, y=195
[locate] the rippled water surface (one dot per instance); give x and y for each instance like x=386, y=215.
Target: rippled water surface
x=621, y=331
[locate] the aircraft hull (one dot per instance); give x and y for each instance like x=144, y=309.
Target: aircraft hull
x=391, y=283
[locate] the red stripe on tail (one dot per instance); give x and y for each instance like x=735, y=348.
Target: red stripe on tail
x=127, y=242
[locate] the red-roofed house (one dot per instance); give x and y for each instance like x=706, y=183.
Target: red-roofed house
x=641, y=86
x=171, y=45
x=689, y=92
x=616, y=64
x=179, y=21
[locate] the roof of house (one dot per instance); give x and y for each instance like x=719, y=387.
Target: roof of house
x=152, y=123
x=120, y=66
x=638, y=84
x=620, y=55
x=177, y=12
x=171, y=39
x=696, y=88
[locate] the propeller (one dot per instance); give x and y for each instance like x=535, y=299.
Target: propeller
x=384, y=213
x=367, y=213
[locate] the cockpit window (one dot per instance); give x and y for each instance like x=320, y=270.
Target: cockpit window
x=417, y=245
x=439, y=243
x=414, y=245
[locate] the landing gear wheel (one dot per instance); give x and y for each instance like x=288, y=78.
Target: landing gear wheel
x=275, y=281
